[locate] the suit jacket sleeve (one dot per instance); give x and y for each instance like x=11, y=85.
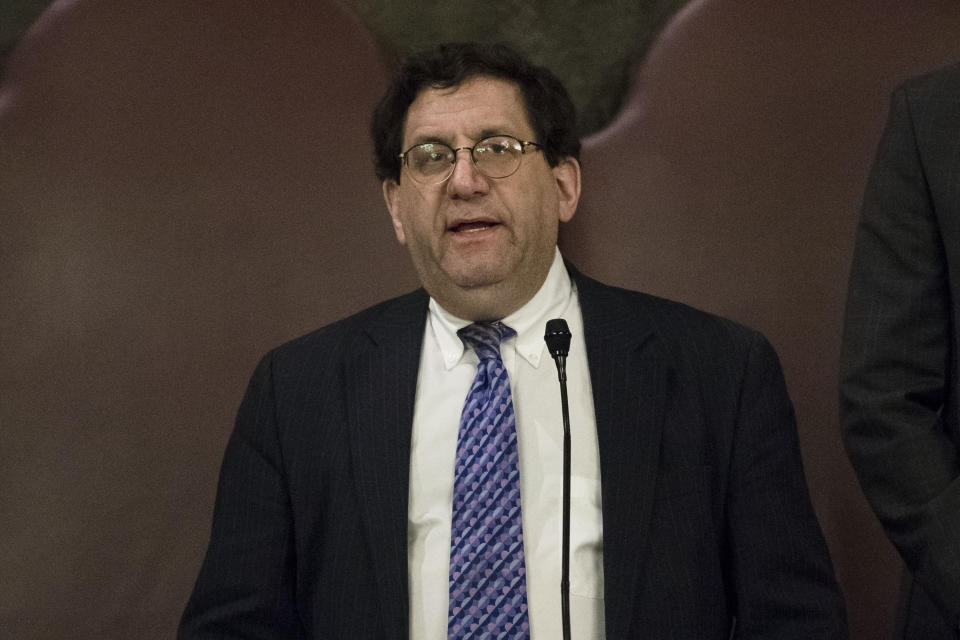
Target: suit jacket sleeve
x=780, y=566
x=896, y=354
x=245, y=588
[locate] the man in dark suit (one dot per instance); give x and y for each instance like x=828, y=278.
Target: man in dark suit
x=340, y=510
x=899, y=397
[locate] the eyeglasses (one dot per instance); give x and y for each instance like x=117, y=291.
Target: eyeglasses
x=494, y=157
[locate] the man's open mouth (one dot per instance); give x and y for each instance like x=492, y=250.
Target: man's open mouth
x=473, y=225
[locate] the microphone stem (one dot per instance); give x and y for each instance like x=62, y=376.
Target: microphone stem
x=565, y=543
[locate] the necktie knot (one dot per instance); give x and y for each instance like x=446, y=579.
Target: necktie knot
x=485, y=338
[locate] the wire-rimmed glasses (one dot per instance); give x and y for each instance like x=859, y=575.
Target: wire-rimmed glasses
x=495, y=157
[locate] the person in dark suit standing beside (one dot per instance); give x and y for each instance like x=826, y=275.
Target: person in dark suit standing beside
x=397, y=474
x=899, y=381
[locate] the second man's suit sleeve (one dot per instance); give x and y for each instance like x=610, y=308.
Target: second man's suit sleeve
x=895, y=364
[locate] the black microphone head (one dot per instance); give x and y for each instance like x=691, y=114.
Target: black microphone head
x=557, y=337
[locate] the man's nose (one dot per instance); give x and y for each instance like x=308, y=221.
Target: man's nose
x=466, y=181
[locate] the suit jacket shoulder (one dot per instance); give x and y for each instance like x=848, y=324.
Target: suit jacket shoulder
x=698, y=446
x=316, y=467
x=687, y=336
x=943, y=83
x=374, y=323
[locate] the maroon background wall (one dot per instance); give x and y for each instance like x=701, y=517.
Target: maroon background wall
x=182, y=188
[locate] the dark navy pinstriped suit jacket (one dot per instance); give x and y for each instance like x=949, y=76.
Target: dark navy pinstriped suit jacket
x=706, y=513
x=900, y=397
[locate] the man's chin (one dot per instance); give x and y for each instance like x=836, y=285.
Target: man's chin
x=478, y=279
x=479, y=273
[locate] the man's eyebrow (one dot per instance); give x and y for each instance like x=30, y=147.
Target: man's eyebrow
x=497, y=131
x=429, y=140
x=486, y=132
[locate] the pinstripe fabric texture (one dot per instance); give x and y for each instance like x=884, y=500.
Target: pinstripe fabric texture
x=706, y=516
x=488, y=594
x=900, y=405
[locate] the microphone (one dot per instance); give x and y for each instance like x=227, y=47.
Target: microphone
x=557, y=337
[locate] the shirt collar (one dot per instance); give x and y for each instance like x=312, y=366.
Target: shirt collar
x=552, y=300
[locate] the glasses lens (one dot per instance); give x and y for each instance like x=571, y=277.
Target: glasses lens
x=430, y=162
x=498, y=156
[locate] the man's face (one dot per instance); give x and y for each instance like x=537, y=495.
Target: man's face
x=481, y=246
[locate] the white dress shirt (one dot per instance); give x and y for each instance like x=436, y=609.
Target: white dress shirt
x=447, y=370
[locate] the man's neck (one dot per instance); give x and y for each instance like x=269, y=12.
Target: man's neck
x=489, y=306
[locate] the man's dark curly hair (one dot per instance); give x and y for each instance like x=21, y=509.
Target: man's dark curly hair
x=549, y=109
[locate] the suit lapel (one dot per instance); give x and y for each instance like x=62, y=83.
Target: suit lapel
x=629, y=375
x=381, y=381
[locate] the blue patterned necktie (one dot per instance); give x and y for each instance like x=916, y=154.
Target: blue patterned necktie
x=488, y=589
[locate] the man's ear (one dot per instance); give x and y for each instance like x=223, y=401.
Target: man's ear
x=567, y=174
x=391, y=196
